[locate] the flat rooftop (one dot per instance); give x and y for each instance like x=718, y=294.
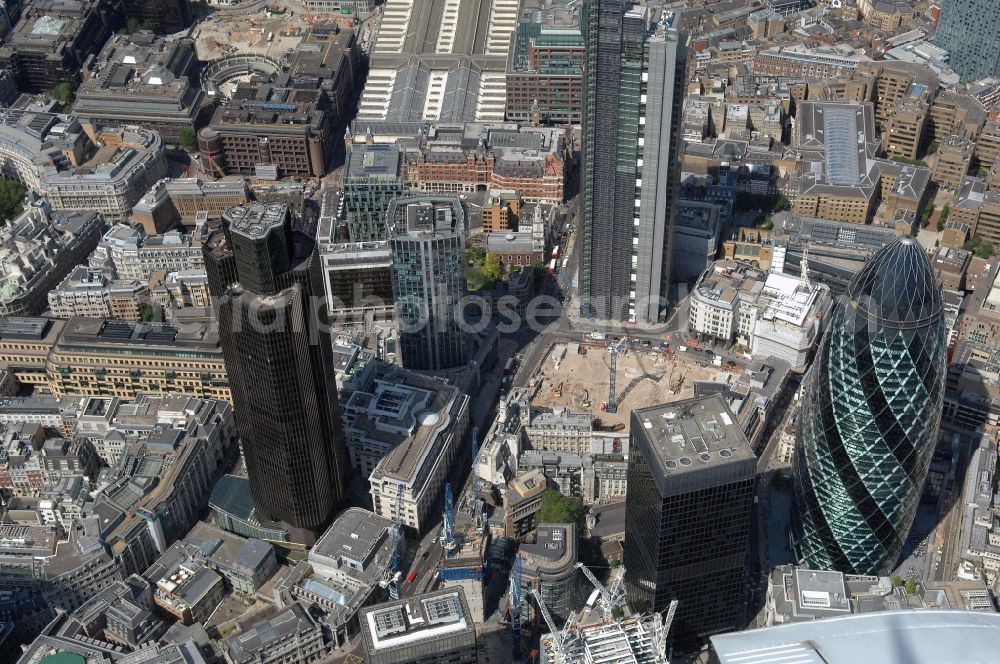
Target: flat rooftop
x=428, y=617
x=354, y=535
x=28, y=329
x=433, y=419
x=554, y=549
x=687, y=436
x=375, y=161
x=913, y=637
x=100, y=332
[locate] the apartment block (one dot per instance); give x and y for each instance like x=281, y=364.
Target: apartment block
x=906, y=129
x=988, y=144
x=954, y=158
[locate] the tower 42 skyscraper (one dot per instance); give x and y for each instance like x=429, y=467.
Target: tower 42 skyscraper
x=265, y=279
x=633, y=81
x=869, y=415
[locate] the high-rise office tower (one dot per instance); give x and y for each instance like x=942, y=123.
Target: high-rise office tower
x=868, y=423
x=265, y=279
x=427, y=239
x=633, y=89
x=691, y=475
x=159, y=15
x=970, y=31
x=373, y=177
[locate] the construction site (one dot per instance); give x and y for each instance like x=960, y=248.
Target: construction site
x=577, y=376
x=273, y=31
x=603, y=633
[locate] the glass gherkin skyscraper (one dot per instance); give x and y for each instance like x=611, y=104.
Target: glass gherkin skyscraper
x=869, y=415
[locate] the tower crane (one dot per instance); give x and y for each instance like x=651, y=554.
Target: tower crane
x=561, y=637
x=661, y=631
x=546, y=614
x=615, y=349
x=515, y=606
x=610, y=598
x=449, y=519
x=477, y=485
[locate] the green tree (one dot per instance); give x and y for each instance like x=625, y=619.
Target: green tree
x=911, y=586
x=911, y=162
x=11, y=199
x=474, y=255
x=782, y=203
x=63, y=92
x=979, y=248
x=943, y=219
x=896, y=581
x=187, y=138
x=146, y=312
x=491, y=268
x=926, y=212
x=767, y=224
x=557, y=508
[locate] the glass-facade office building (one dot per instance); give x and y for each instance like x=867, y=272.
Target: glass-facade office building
x=970, y=31
x=869, y=416
x=263, y=277
x=633, y=89
x=428, y=279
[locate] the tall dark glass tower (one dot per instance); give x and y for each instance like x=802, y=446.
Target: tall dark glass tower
x=691, y=474
x=159, y=15
x=427, y=238
x=870, y=410
x=264, y=277
x=633, y=89
x=970, y=31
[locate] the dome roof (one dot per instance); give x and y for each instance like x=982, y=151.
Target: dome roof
x=897, y=286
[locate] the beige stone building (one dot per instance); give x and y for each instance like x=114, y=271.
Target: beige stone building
x=100, y=357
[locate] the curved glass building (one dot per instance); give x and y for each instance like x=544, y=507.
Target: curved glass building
x=869, y=415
